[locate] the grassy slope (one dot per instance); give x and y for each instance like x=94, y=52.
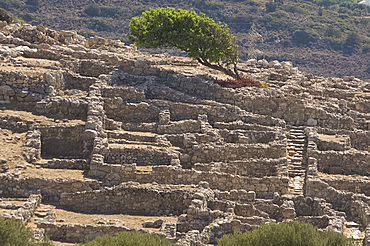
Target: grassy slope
x=321, y=38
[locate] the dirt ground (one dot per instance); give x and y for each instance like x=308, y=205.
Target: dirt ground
x=67, y=217
x=11, y=154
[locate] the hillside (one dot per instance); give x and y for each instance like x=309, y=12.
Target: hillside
x=321, y=37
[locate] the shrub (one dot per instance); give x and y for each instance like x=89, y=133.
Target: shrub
x=288, y=234
x=15, y=233
x=129, y=239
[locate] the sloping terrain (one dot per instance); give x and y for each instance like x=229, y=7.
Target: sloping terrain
x=98, y=138
x=322, y=37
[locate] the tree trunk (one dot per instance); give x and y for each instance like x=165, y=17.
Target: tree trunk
x=218, y=67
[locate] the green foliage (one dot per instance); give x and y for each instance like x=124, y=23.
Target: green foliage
x=129, y=239
x=200, y=36
x=275, y=20
x=99, y=24
x=92, y=10
x=15, y=233
x=288, y=234
x=5, y=16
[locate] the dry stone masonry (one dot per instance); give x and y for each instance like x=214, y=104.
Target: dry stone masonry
x=105, y=129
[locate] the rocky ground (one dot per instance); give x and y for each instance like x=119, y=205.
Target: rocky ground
x=98, y=138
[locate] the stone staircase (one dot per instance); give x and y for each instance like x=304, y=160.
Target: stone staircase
x=296, y=170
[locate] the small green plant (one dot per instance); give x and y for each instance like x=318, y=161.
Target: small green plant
x=288, y=234
x=15, y=233
x=129, y=239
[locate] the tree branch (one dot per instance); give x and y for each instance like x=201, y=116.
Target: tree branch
x=219, y=67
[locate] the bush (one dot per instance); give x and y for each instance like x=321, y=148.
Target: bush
x=288, y=234
x=15, y=233
x=130, y=239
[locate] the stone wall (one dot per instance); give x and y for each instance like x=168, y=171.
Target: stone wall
x=356, y=207
x=77, y=82
x=63, y=107
x=25, y=88
x=139, y=155
x=260, y=101
x=127, y=94
x=344, y=162
x=62, y=141
x=359, y=139
x=50, y=189
x=170, y=175
x=15, y=123
x=78, y=233
x=32, y=149
x=76, y=164
x=356, y=185
x=128, y=199
x=248, y=167
x=205, y=153
x=27, y=210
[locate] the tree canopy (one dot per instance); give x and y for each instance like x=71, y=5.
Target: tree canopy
x=292, y=233
x=200, y=36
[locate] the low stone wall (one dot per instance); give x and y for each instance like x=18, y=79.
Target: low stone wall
x=139, y=155
x=15, y=123
x=24, y=88
x=32, y=150
x=240, y=125
x=250, y=167
x=127, y=94
x=62, y=141
x=50, y=189
x=170, y=175
x=341, y=143
x=131, y=112
x=75, y=81
x=243, y=136
x=344, y=162
x=128, y=199
x=359, y=139
x=27, y=210
x=236, y=195
x=206, y=153
x=77, y=233
x=350, y=184
x=64, y=107
x=77, y=164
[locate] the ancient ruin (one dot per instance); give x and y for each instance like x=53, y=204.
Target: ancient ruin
x=97, y=137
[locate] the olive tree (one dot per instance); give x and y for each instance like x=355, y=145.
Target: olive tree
x=208, y=42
